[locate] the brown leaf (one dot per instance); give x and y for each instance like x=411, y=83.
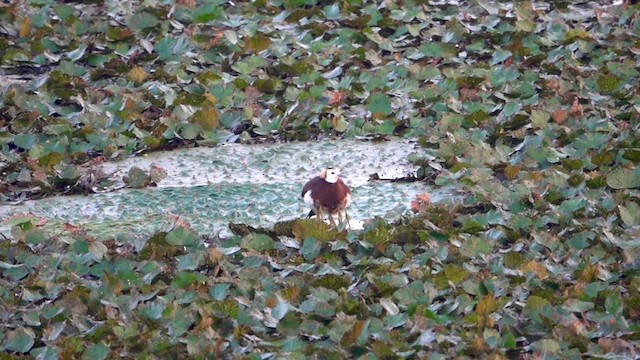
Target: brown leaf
x=157, y=173
x=420, y=203
x=537, y=268
x=137, y=75
x=618, y=346
x=576, y=108
x=468, y=94
x=208, y=118
x=25, y=28
x=336, y=98
x=559, y=116
x=511, y=172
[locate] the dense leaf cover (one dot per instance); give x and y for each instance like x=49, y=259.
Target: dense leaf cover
x=530, y=109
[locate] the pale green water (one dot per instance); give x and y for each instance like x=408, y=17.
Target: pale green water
x=210, y=187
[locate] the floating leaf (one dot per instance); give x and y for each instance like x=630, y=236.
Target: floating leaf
x=546, y=345
x=137, y=178
x=379, y=103
x=182, y=236
x=208, y=118
x=608, y=83
x=438, y=50
x=190, y=131
x=499, y=56
x=24, y=141
x=613, y=304
x=623, y=178
x=98, y=351
x=310, y=228
x=142, y=20
x=220, y=291
x=311, y=248
x=258, y=43
x=539, y=118
x=258, y=242
x=20, y=340
x=630, y=214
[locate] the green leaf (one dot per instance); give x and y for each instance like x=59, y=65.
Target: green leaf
x=511, y=108
x=623, y=178
x=152, y=311
x=24, y=141
x=332, y=12
x=572, y=205
x=190, y=131
x=310, y=248
x=258, y=242
x=379, y=103
x=98, y=249
x=164, y=47
x=607, y=84
x=280, y=310
x=142, y=20
x=386, y=127
x=206, y=12
x=184, y=279
x=613, y=304
x=539, y=118
x=137, y=178
x=33, y=236
x=630, y=214
x=546, y=345
x=220, y=291
x=578, y=306
x=581, y=240
x=20, y=340
x=98, y=351
x=189, y=261
x=182, y=236
x=476, y=246
x=439, y=50
x=499, y=56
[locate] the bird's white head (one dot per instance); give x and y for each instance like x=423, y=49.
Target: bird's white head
x=330, y=175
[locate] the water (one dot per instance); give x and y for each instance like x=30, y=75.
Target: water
x=253, y=184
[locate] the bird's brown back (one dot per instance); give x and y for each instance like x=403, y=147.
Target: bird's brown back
x=332, y=197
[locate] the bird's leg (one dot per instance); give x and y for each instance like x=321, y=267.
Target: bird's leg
x=332, y=221
x=319, y=213
x=346, y=217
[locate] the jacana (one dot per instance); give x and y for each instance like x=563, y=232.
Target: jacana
x=327, y=194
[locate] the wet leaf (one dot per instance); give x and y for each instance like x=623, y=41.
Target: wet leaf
x=220, y=291
x=546, y=345
x=20, y=340
x=98, y=351
x=142, y=20
x=623, y=178
x=258, y=242
x=24, y=141
x=137, y=178
x=607, y=84
x=613, y=304
x=630, y=214
x=308, y=228
x=499, y=56
x=311, y=248
x=379, y=103
x=182, y=236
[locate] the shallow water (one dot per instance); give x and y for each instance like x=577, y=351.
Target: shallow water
x=253, y=184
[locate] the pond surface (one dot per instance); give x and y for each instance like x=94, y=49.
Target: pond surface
x=253, y=184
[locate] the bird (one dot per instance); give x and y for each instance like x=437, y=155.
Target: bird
x=328, y=194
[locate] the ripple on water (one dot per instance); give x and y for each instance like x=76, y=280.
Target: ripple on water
x=253, y=184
